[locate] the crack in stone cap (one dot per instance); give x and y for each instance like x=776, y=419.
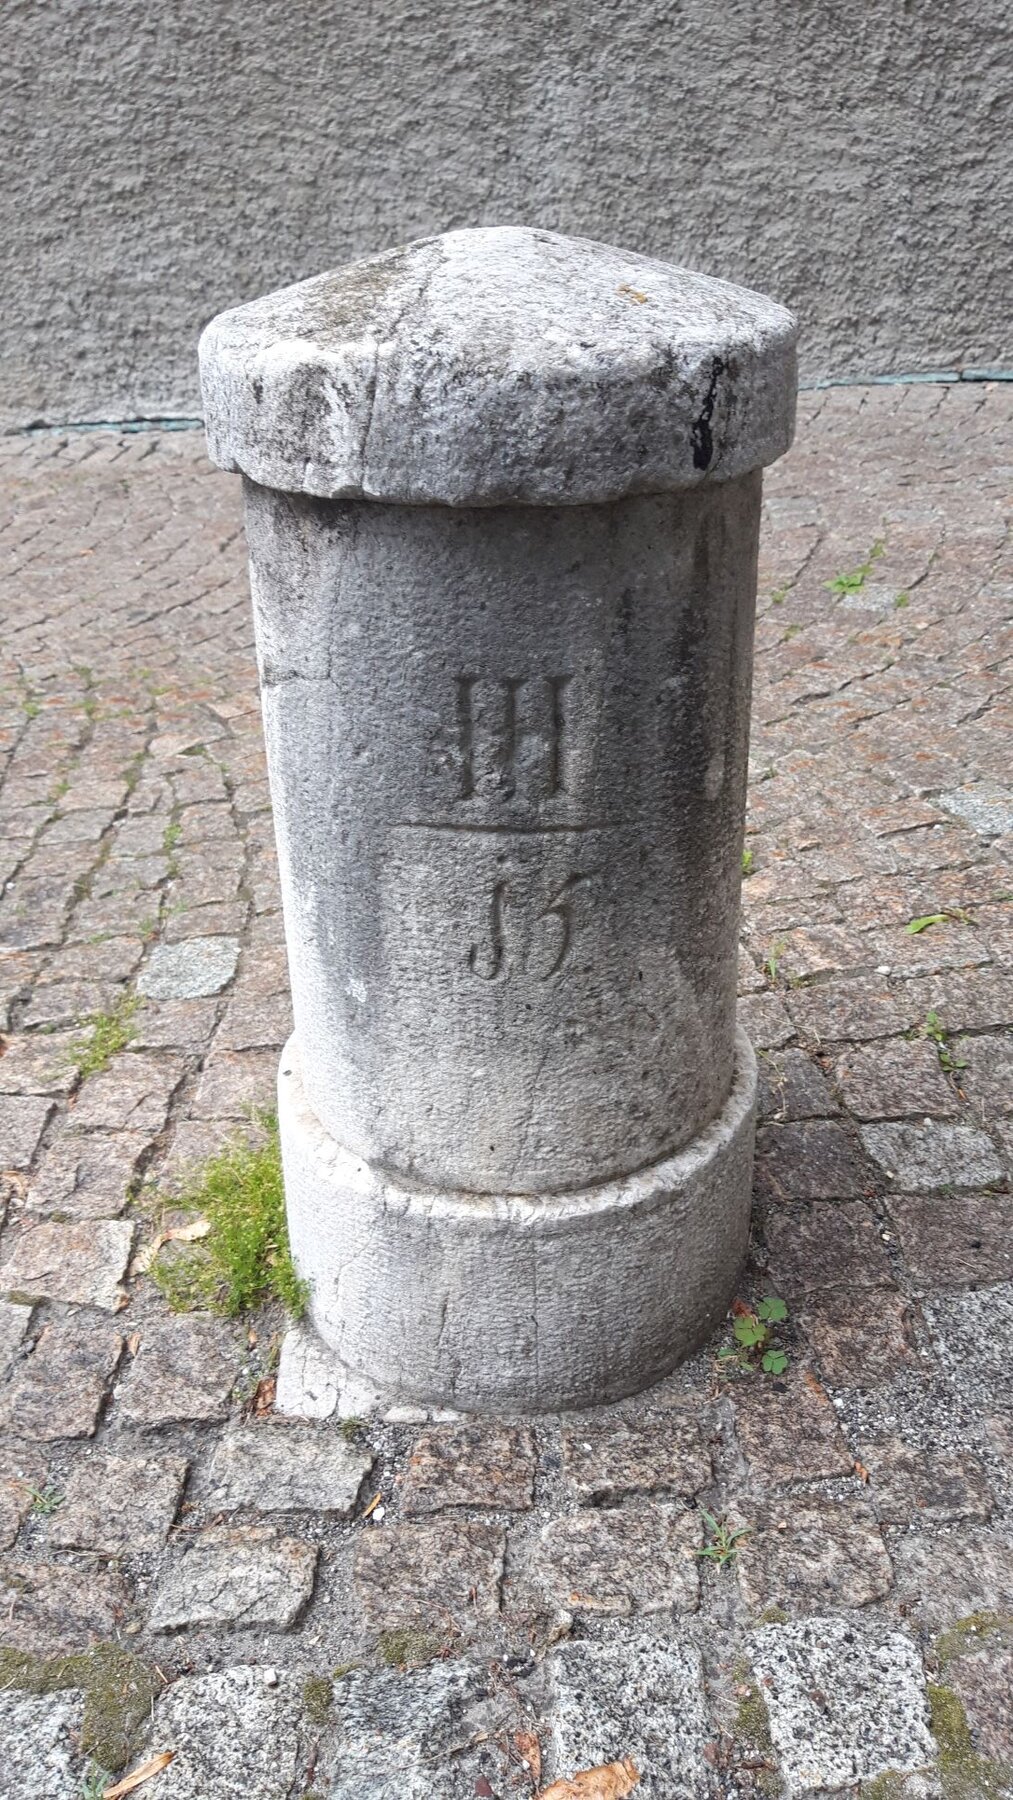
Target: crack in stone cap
x=500, y=366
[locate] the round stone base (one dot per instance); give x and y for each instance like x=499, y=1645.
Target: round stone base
x=492, y=1302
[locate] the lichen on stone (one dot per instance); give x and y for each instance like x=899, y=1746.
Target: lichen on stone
x=118, y=1693
x=963, y=1774
x=317, y=1698
x=968, y=1633
x=408, y=1648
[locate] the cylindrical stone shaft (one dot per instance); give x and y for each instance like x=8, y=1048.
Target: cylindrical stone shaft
x=502, y=500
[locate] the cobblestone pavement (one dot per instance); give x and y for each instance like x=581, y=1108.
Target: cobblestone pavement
x=524, y=1599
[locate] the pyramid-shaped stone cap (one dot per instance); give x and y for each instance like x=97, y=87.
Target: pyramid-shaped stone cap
x=495, y=366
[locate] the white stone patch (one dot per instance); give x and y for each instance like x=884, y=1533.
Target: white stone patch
x=843, y=1706
x=233, y=1734
x=642, y=1698
x=984, y=805
x=934, y=1154
x=190, y=970
x=40, y=1761
x=308, y=1377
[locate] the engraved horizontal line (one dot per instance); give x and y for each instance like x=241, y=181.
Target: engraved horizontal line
x=501, y=830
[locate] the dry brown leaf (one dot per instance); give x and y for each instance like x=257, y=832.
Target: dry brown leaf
x=609, y=1781
x=861, y=1471
x=632, y=293
x=153, y=1766
x=176, y=1234
x=740, y=1310
x=134, y=1342
x=814, y=1386
x=371, y=1508
x=263, y=1399
x=530, y=1752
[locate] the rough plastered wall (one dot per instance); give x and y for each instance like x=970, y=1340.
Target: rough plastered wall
x=163, y=160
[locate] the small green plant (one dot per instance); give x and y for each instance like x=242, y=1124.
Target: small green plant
x=932, y=1027
x=94, y=1782
x=772, y=962
x=851, y=581
x=755, y=1345
x=350, y=1429
x=723, y=1540
x=171, y=836
x=747, y=863
x=47, y=1500
x=778, y=596
x=107, y=1034
x=790, y=631
x=901, y=601
x=915, y=926
x=245, y=1256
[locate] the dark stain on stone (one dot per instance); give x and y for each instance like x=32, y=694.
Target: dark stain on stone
x=702, y=436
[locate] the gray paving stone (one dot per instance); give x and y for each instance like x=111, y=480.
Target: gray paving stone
x=187, y=971
x=287, y=1468
x=765, y=1021
x=983, y=1682
x=604, y=1461
x=397, y=1734
x=58, y=1391
x=816, y=1160
x=117, y=1505
x=932, y=1487
x=987, y=1078
x=185, y=1368
x=15, y=1318
x=87, y=1176
x=640, y=1696
x=42, y=1064
x=946, y=1575
x=249, y=1578
x=788, y=1429
x=792, y=1086
x=235, y=1736
x=955, y=1240
x=49, y=1608
x=984, y=805
x=894, y=1079
x=972, y=1333
x=40, y=1735
x=23, y=1119
x=862, y=1336
x=805, y=1553
x=844, y=1706
x=84, y=1264
x=441, y=1574
x=132, y=1094
x=22, y=1475
x=482, y=1466
x=640, y=1557
x=933, y=1155
x=825, y=1246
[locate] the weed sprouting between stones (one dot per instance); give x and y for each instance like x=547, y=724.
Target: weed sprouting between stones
x=851, y=581
x=245, y=1256
x=107, y=1034
x=932, y=1027
x=723, y=1540
x=755, y=1345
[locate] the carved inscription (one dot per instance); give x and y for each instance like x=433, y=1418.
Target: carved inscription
x=539, y=945
x=512, y=738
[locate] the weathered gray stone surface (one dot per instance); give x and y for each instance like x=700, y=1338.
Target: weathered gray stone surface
x=83, y=1263
x=237, y=1578
x=286, y=1468
x=40, y=1736
x=395, y=1733
x=496, y=367
x=932, y=1155
x=86, y=1175
x=200, y=965
x=486, y=1299
x=116, y=1504
x=642, y=1698
x=509, y=801
x=604, y=1460
x=485, y=1466
x=640, y=1557
x=843, y=1707
x=15, y=1318
x=234, y=1734
x=183, y=1369
x=50, y=1608
x=436, y=1573
x=22, y=1475
x=22, y=1122
x=58, y=1390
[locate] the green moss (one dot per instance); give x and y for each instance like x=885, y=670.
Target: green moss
x=342, y=1669
x=409, y=1648
x=888, y=1786
x=773, y=1615
x=245, y=1257
x=106, y=1035
x=317, y=1698
x=118, y=1693
x=968, y=1633
x=963, y=1774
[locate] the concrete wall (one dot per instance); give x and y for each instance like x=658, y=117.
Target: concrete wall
x=166, y=159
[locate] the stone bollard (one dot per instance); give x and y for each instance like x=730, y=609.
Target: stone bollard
x=502, y=502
